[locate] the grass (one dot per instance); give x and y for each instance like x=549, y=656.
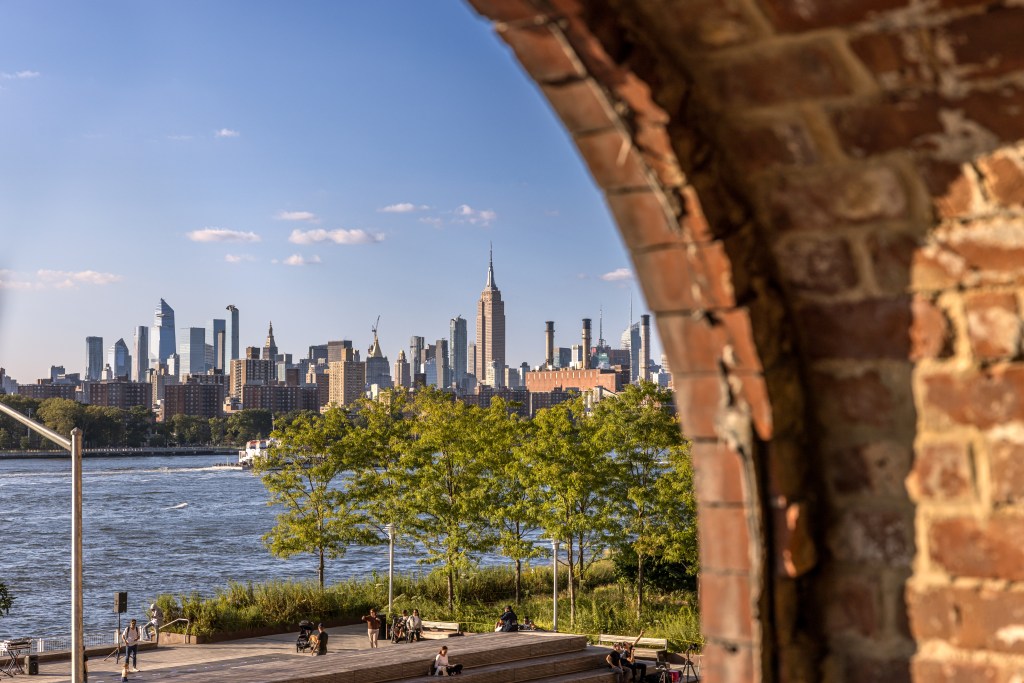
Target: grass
x=604, y=607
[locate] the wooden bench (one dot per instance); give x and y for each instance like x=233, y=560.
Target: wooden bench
x=645, y=648
x=435, y=630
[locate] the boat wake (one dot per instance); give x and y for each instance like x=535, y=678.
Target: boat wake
x=179, y=506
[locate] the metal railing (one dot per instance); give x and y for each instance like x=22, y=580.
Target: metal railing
x=188, y=626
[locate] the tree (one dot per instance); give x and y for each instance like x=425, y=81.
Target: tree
x=6, y=599
x=512, y=510
x=447, y=484
x=302, y=472
x=189, y=429
x=638, y=430
x=103, y=425
x=61, y=415
x=573, y=486
x=11, y=431
x=248, y=425
x=138, y=423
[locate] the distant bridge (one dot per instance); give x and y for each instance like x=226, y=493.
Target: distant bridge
x=124, y=452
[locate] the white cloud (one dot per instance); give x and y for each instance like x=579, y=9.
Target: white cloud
x=468, y=214
x=403, y=207
x=55, y=279
x=299, y=260
x=337, y=236
x=238, y=258
x=297, y=216
x=436, y=222
x=618, y=275
x=222, y=235
x=227, y=133
x=18, y=75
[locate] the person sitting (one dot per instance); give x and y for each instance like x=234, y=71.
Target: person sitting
x=398, y=628
x=414, y=626
x=441, y=665
x=614, y=661
x=508, y=622
x=628, y=659
x=321, y=641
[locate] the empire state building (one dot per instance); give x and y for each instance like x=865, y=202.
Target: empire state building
x=490, y=332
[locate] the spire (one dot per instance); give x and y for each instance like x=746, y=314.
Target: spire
x=490, y=269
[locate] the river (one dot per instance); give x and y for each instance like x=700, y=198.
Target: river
x=150, y=525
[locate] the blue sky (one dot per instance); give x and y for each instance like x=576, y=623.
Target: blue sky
x=313, y=163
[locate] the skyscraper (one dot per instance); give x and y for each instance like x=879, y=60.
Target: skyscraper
x=402, y=376
x=416, y=346
x=444, y=372
x=231, y=348
x=270, y=346
x=93, y=358
x=192, y=352
x=490, y=332
x=457, y=349
x=162, y=344
x=378, y=369
x=119, y=360
x=216, y=336
x=140, y=353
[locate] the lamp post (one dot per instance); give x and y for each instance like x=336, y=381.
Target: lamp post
x=390, y=529
x=554, y=582
x=74, y=445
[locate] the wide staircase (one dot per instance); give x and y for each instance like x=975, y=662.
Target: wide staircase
x=506, y=657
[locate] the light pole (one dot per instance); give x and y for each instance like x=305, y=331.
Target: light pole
x=390, y=529
x=75, y=447
x=554, y=584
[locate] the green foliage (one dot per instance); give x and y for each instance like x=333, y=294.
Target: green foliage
x=6, y=599
x=248, y=425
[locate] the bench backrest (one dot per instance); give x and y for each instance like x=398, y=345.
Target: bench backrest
x=441, y=625
x=643, y=643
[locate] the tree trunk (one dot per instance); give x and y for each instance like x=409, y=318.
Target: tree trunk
x=320, y=569
x=639, y=585
x=570, y=556
x=519, y=579
x=451, y=590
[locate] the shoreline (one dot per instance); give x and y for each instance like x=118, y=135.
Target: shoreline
x=121, y=452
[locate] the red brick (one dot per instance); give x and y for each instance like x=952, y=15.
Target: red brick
x=898, y=60
x=724, y=539
x=953, y=671
x=726, y=607
x=954, y=192
x=993, y=248
x=755, y=146
x=678, y=279
x=542, y=53
x=705, y=24
x=853, y=606
x=695, y=223
x=731, y=663
x=816, y=263
x=718, y=473
x=507, y=10
x=799, y=16
x=613, y=161
x=873, y=328
x=998, y=111
x=787, y=469
x=990, y=548
x=755, y=392
x=644, y=219
x=655, y=149
x=698, y=401
x=876, y=536
x=988, y=43
x=931, y=335
x=978, y=398
x=838, y=196
x=993, y=325
x=932, y=615
x=1004, y=178
x=989, y=618
x=877, y=469
x=942, y=472
x=934, y=268
x=705, y=338
x=581, y=105
x=795, y=72
x=883, y=127
x=863, y=399
x=891, y=256
x=1006, y=465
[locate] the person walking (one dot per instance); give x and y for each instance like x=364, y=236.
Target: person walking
x=414, y=626
x=372, y=626
x=130, y=637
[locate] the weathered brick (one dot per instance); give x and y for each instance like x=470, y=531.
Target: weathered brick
x=795, y=549
x=581, y=105
x=724, y=539
x=698, y=400
x=1006, y=464
x=507, y=10
x=876, y=469
x=799, y=16
x=931, y=335
x=954, y=671
x=853, y=605
x=678, y=279
x=730, y=663
x=952, y=187
x=932, y=615
x=876, y=667
x=726, y=607
x=993, y=324
x=989, y=618
x=817, y=263
x=795, y=72
x=883, y=127
x=706, y=24
x=855, y=400
x=847, y=195
x=1003, y=176
x=981, y=548
x=994, y=248
x=943, y=471
x=997, y=111
x=891, y=256
x=987, y=43
x=876, y=536
x=935, y=268
x=755, y=146
x=979, y=398
x=897, y=60
x=718, y=473
x=612, y=160
x=873, y=328
x=710, y=341
x=644, y=220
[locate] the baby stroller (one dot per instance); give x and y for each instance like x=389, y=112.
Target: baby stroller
x=305, y=631
x=398, y=630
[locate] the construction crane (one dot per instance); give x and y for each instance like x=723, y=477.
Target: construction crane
x=375, y=326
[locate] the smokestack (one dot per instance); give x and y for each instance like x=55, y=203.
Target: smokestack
x=586, y=343
x=645, y=347
x=549, y=343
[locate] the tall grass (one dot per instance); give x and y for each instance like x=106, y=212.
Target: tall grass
x=605, y=607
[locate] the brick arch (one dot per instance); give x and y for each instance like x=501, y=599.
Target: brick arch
x=823, y=204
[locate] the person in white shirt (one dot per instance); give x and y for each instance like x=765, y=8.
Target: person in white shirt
x=130, y=637
x=156, y=620
x=414, y=626
x=441, y=665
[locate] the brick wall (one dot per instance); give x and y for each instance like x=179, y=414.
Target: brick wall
x=823, y=203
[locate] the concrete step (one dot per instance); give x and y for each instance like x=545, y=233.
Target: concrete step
x=604, y=675
x=534, y=669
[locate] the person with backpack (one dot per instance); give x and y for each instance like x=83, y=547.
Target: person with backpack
x=130, y=637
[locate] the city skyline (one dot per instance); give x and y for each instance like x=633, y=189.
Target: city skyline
x=297, y=180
